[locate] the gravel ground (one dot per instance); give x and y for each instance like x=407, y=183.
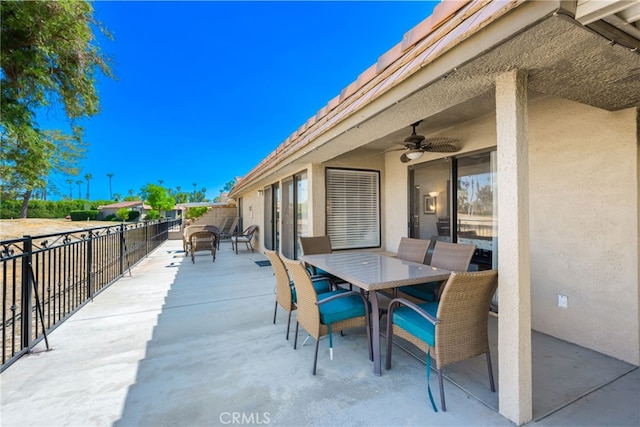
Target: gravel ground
x=15, y=228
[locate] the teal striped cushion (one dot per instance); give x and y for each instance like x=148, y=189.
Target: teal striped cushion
x=415, y=324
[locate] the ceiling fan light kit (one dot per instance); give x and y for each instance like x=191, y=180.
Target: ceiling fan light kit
x=418, y=145
x=415, y=154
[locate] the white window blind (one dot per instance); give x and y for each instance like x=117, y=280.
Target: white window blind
x=353, y=208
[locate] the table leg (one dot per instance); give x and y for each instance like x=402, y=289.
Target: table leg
x=375, y=333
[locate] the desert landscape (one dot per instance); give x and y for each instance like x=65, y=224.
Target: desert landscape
x=16, y=228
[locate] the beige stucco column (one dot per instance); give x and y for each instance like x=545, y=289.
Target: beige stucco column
x=514, y=321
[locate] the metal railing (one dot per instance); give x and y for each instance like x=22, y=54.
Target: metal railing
x=45, y=279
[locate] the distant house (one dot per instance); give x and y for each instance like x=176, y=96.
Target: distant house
x=137, y=205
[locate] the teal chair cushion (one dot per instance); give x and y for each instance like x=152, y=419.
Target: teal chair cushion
x=341, y=308
x=423, y=291
x=315, y=271
x=415, y=324
x=320, y=285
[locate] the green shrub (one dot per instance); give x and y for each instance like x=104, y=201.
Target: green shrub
x=40, y=208
x=84, y=215
x=196, y=212
x=152, y=214
x=123, y=214
x=134, y=216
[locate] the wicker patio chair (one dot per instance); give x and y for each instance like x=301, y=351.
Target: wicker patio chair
x=202, y=240
x=453, y=330
x=449, y=256
x=193, y=228
x=285, y=292
x=413, y=249
x=327, y=313
x=313, y=245
x=244, y=237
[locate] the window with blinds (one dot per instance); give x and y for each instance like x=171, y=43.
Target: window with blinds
x=353, y=208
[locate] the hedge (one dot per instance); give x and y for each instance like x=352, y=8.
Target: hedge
x=84, y=215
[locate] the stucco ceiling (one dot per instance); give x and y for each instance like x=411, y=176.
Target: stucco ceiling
x=562, y=58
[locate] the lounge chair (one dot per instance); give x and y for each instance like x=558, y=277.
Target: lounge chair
x=229, y=227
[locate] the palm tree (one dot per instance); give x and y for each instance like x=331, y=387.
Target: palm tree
x=160, y=182
x=88, y=178
x=110, y=175
x=117, y=197
x=70, y=182
x=194, y=191
x=79, y=182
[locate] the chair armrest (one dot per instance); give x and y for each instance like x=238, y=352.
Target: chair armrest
x=401, y=301
x=340, y=295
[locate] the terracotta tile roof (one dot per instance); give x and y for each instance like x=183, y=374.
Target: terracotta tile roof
x=451, y=22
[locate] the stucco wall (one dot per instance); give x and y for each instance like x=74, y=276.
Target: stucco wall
x=583, y=220
x=584, y=225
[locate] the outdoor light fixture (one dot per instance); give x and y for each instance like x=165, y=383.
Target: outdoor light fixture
x=414, y=154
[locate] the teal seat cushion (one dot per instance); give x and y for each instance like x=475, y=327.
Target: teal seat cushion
x=423, y=291
x=341, y=308
x=412, y=322
x=315, y=271
x=320, y=285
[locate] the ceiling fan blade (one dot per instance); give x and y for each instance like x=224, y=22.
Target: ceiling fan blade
x=442, y=148
x=438, y=140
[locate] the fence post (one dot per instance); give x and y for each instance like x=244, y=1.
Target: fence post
x=90, y=289
x=27, y=306
x=122, y=249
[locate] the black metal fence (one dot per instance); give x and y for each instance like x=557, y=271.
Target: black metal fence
x=45, y=279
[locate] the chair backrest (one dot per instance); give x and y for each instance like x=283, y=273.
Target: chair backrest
x=315, y=245
x=188, y=231
x=413, y=249
x=223, y=223
x=249, y=231
x=202, y=239
x=283, y=290
x=452, y=256
x=463, y=314
x=229, y=226
x=308, y=312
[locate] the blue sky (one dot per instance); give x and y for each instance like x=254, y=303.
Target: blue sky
x=205, y=90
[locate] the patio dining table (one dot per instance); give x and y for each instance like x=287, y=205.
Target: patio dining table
x=373, y=272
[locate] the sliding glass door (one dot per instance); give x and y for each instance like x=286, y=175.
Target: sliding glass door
x=464, y=212
x=271, y=216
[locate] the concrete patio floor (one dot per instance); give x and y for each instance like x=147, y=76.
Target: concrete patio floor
x=182, y=344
